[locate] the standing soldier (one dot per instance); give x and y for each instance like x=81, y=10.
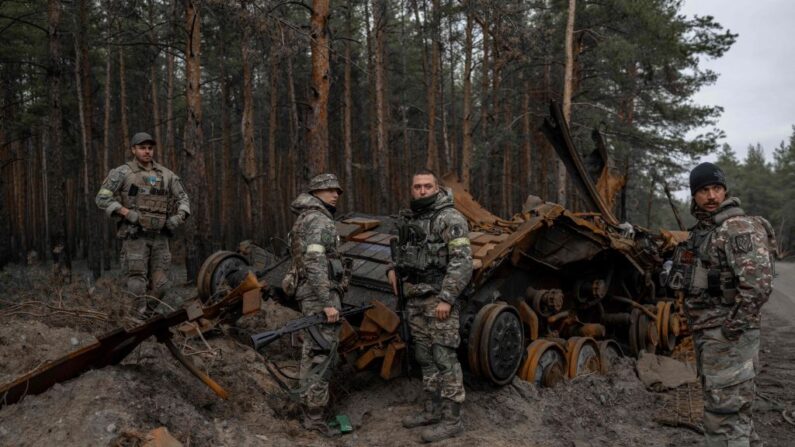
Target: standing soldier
x=434, y=261
x=315, y=277
x=141, y=194
x=725, y=271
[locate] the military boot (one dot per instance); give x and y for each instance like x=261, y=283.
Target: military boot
x=431, y=414
x=450, y=425
x=315, y=420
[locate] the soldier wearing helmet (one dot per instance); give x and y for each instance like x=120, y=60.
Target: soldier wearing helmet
x=316, y=279
x=149, y=204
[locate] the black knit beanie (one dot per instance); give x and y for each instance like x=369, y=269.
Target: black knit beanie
x=706, y=174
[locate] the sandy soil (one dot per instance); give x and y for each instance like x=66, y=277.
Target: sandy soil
x=118, y=405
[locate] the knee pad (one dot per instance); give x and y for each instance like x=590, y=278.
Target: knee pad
x=136, y=285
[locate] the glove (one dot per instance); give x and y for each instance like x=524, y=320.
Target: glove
x=132, y=216
x=175, y=221
x=731, y=330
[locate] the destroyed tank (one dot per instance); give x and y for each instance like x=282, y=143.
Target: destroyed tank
x=554, y=293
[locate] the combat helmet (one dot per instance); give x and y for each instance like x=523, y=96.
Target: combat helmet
x=324, y=181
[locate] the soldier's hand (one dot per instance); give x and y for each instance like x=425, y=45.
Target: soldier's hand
x=175, y=221
x=132, y=216
x=332, y=314
x=443, y=310
x=392, y=277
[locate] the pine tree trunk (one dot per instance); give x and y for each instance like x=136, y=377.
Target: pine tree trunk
x=466, y=123
x=317, y=122
x=55, y=170
x=107, y=233
x=526, y=170
x=568, y=84
x=432, y=161
x=197, y=228
x=381, y=152
x=274, y=175
x=347, y=121
x=170, y=143
x=248, y=159
x=153, y=75
x=125, y=130
x=85, y=111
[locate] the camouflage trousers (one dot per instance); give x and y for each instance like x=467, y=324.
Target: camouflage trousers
x=317, y=363
x=145, y=263
x=727, y=369
x=435, y=343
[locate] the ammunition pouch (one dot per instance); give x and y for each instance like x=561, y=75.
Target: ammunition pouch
x=688, y=274
x=290, y=281
x=153, y=211
x=335, y=270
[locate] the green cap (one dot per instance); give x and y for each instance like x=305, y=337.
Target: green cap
x=142, y=137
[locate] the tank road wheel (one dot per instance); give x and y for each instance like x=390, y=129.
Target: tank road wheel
x=647, y=334
x=545, y=364
x=473, y=341
x=609, y=353
x=583, y=356
x=633, y=333
x=212, y=274
x=666, y=327
x=501, y=344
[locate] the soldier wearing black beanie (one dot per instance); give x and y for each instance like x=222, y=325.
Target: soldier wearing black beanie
x=706, y=174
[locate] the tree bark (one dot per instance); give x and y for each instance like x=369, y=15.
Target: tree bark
x=248, y=158
x=170, y=143
x=107, y=234
x=568, y=81
x=125, y=130
x=317, y=122
x=347, y=123
x=55, y=169
x=153, y=78
x=381, y=152
x=85, y=112
x=466, y=123
x=432, y=161
x=197, y=229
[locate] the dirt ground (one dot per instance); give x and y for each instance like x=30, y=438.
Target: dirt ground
x=118, y=405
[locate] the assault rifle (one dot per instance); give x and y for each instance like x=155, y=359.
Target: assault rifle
x=310, y=322
x=405, y=332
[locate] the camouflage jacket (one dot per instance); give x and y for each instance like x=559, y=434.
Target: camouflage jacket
x=737, y=252
x=447, y=255
x=126, y=183
x=314, y=247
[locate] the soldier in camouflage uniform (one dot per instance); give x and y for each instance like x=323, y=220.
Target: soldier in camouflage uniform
x=315, y=278
x=149, y=203
x=725, y=270
x=434, y=260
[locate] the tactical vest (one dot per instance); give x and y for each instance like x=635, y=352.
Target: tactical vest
x=692, y=269
x=148, y=195
x=297, y=242
x=420, y=254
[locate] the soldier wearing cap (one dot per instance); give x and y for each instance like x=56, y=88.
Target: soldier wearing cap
x=149, y=204
x=725, y=272
x=315, y=278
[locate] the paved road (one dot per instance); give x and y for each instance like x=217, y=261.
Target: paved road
x=781, y=306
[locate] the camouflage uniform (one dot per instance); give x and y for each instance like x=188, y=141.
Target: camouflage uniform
x=436, y=269
x=145, y=255
x=317, y=266
x=725, y=269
